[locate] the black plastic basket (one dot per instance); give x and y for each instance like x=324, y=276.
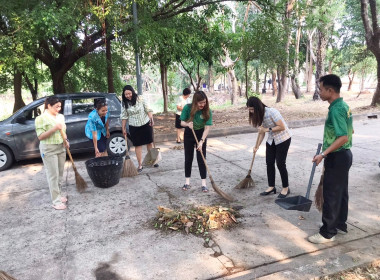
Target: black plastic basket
x=105, y=171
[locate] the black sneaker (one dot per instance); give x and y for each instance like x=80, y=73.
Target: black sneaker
x=156, y=165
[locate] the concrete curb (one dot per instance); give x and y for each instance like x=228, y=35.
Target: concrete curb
x=249, y=129
x=355, y=253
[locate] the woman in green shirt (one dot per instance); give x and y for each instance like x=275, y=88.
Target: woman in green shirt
x=197, y=116
x=52, y=147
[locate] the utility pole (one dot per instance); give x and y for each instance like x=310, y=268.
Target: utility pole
x=137, y=56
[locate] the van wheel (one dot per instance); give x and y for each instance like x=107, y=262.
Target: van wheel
x=6, y=158
x=116, y=145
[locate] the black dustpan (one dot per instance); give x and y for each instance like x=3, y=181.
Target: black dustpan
x=299, y=202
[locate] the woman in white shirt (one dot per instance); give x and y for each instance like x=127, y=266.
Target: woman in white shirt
x=277, y=145
x=182, y=101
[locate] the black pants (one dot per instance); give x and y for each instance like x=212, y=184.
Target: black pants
x=335, y=192
x=190, y=144
x=277, y=154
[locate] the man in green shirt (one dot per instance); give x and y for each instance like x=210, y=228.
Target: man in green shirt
x=337, y=141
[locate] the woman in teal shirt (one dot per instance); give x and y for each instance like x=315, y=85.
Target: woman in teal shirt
x=97, y=127
x=197, y=116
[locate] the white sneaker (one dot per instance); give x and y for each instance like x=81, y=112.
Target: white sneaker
x=339, y=231
x=319, y=239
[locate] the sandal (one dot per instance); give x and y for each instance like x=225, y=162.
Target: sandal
x=59, y=206
x=186, y=187
x=204, y=189
x=139, y=170
x=156, y=165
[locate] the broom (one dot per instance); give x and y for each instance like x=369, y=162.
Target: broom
x=5, y=276
x=79, y=181
x=129, y=169
x=214, y=186
x=248, y=181
x=318, y=197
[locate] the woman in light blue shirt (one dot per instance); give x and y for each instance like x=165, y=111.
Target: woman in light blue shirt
x=97, y=127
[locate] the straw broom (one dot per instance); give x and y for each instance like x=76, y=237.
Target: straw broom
x=5, y=276
x=248, y=181
x=129, y=169
x=318, y=197
x=79, y=181
x=214, y=186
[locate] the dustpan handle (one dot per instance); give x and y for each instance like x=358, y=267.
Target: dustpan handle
x=312, y=172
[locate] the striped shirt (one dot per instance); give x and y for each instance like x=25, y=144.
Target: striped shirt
x=271, y=116
x=136, y=115
x=45, y=122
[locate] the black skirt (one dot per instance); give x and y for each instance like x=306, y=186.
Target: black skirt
x=141, y=135
x=178, y=121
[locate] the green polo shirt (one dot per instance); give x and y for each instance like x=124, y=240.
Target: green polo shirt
x=198, y=121
x=338, y=123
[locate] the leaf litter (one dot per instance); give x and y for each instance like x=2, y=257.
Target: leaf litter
x=196, y=220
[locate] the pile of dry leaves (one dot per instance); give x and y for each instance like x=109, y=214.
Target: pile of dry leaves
x=198, y=220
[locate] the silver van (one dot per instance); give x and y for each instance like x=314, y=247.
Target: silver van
x=18, y=139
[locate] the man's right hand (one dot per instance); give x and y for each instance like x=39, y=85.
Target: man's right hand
x=317, y=159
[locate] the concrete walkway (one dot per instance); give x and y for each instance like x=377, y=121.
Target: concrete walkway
x=108, y=233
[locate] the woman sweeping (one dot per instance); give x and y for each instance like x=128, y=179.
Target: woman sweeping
x=52, y=148
x=182, y=101
x=140, y=118
x=97, y=128
x=197, y=116
x=270, y=120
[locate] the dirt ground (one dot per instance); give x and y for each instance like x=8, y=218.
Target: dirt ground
x=290, y=108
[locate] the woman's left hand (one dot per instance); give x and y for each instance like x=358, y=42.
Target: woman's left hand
x=151, y=122
x=108, y=134
x=200, y=144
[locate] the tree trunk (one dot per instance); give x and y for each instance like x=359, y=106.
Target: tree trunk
x=309, y=75
x=111, y=88
x=321, y=54
x=265, y=83
x=282, y=84
x=283, y=81
x=376, y=95
x=17, y=84
x=351, y=76
x=274, y=83
x=246, y=79
x=33, y=89
x=295, y=87
x=232, y=78
x=210, y=78
x=164, y=83
x=257, y=79
x=362, y=80
x=294, y=78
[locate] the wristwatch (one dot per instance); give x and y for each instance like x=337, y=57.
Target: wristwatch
x=323, y=155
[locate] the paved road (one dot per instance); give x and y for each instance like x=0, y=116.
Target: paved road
x=108, y=233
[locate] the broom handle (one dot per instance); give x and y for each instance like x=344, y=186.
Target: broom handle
x=67, y=149
x=154, y=144
x=204, y=160
x=126, y=146
x=312, y=173
x=254, y=153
